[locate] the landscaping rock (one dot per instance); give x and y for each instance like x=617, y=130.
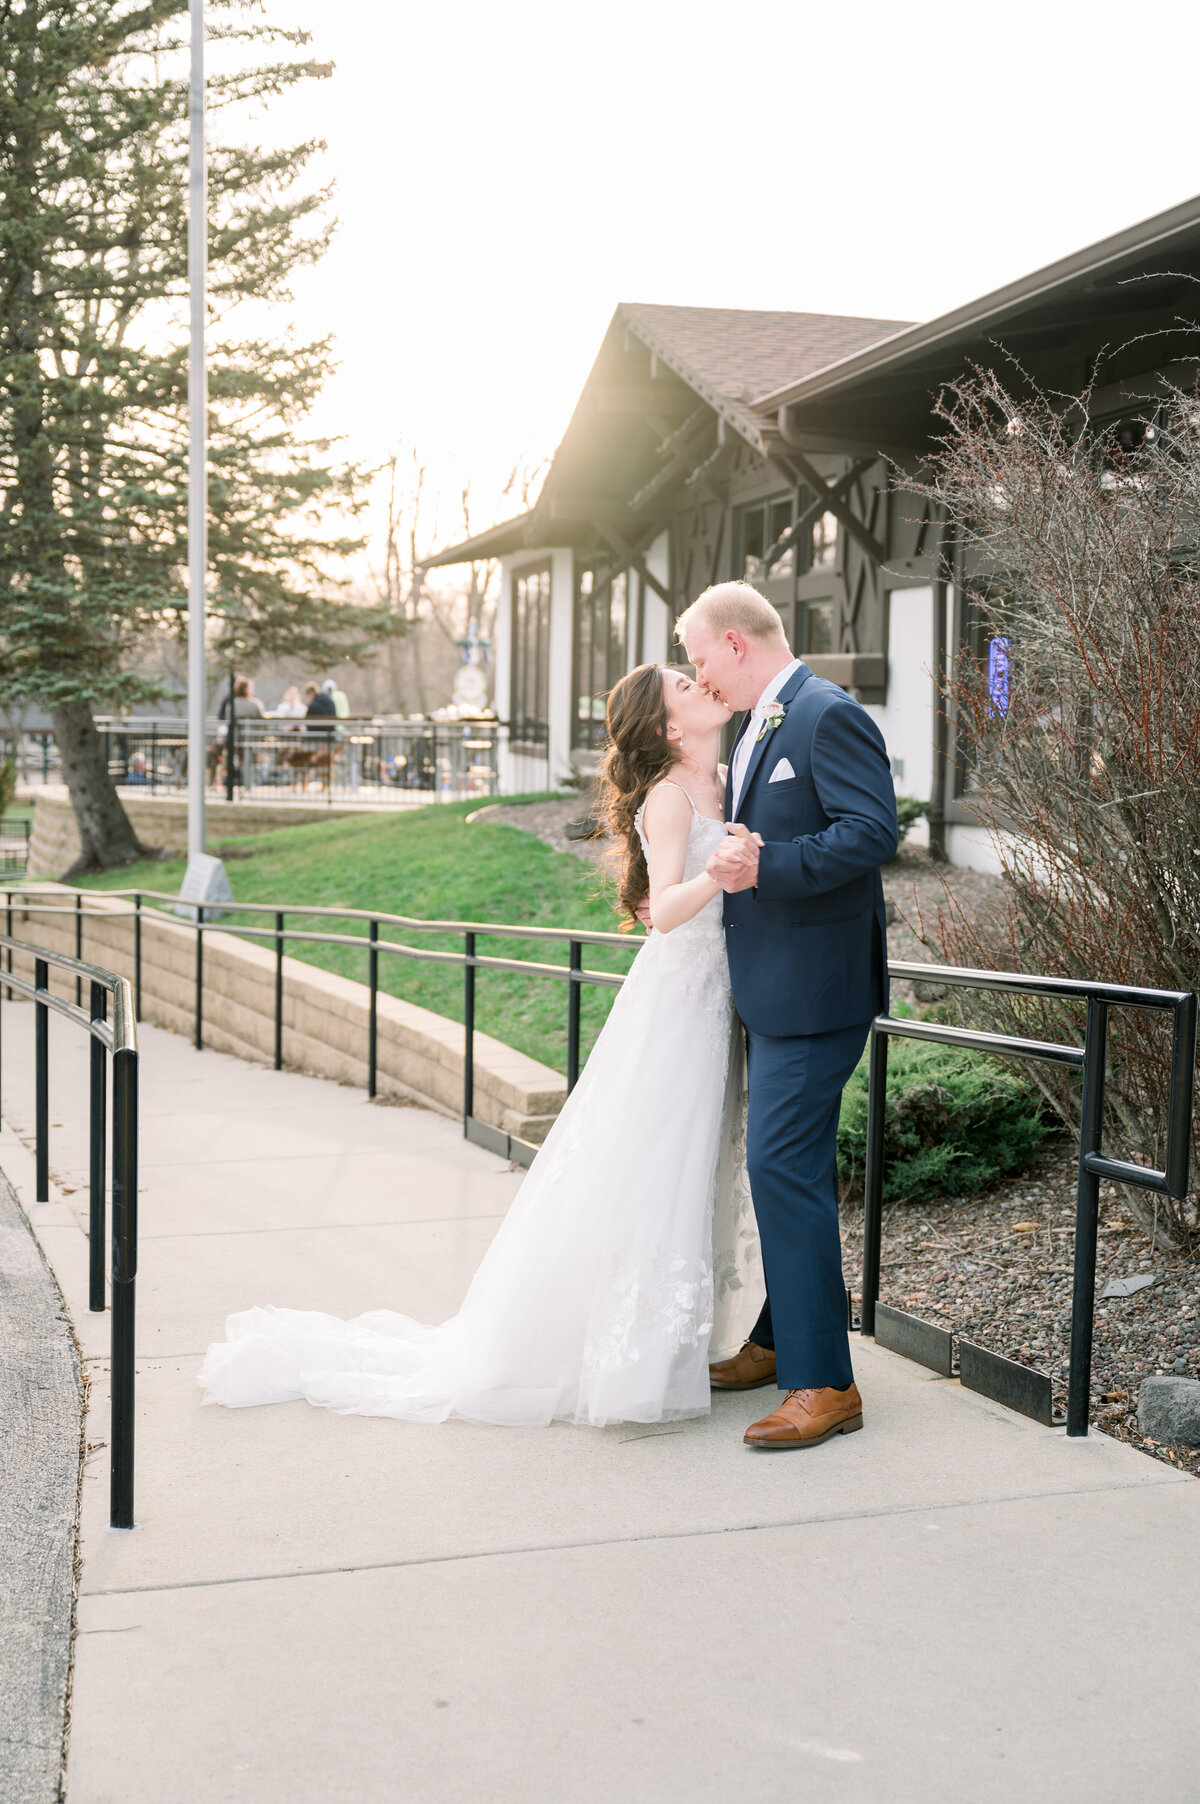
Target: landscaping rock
x=1169, y=1411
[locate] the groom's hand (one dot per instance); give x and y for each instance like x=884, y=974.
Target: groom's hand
x=734, y=864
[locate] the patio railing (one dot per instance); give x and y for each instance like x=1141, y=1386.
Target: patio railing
x=1018, y=1385
x=1011, y=1383
x=325, y=760
x=117, y=1038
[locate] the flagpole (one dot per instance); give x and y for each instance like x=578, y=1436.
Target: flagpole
x=197, y=433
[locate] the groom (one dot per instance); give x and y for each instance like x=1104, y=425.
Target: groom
x=811, y=815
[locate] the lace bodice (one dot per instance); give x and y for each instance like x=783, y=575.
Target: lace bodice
x=704, y=836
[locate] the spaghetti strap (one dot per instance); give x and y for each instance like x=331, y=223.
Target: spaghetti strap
x=674, y=785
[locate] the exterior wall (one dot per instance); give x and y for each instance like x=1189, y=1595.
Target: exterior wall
x=520, y=772
x=656, y=622
x=971, y=848
x=906, y=717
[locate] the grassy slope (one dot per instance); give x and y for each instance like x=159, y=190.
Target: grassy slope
x=429, y=863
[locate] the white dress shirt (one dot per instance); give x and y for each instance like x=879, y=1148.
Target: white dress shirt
x=745, y=745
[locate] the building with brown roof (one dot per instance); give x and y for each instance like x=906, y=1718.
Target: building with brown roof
x=713, y=442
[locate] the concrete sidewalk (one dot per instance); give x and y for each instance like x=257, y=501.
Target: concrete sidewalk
x=956, y=1604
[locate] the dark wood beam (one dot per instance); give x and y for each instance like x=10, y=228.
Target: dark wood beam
x=633, y=555
x=683, y=450
x=813, y=512
x=831, y=500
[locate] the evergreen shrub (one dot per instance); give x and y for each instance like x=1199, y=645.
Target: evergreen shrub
x=956, y=1122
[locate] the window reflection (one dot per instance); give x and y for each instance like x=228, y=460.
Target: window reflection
x=601, y=649
x=824, y=542
x=529, y=690
x=757, y=529
x=817, y=630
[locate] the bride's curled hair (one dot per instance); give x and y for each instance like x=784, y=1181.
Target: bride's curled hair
x=636, y=757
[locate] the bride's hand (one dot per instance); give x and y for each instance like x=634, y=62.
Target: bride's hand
x=734, y=864
x=642, y=911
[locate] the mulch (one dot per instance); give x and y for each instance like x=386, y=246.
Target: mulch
x=997, y=1268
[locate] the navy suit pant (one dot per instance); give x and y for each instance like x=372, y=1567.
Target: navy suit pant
x=791, y=1145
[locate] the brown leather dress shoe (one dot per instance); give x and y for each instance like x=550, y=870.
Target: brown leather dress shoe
x=747, y=1369
x=806, y=1418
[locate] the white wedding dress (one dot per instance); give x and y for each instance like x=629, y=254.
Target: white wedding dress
x=596, y=1300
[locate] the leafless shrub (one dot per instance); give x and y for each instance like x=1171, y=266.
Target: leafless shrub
x=1088, y=779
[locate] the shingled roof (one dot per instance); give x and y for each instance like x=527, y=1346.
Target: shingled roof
x=745, y=354
x=729, y=357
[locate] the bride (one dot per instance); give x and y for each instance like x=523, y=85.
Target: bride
x=595, y=1302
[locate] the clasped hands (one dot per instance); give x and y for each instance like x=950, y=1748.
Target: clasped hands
x=734, y=864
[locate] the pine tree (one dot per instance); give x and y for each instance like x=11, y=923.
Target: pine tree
x=93, y=373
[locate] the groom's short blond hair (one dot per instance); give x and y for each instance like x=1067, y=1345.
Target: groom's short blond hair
x=732, y=608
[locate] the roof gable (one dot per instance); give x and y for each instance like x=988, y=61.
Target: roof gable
x=742, y=353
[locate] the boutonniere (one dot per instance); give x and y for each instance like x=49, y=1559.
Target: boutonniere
x=772, y=717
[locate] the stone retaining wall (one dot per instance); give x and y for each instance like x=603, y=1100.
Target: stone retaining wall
x=325, y=1017
x=158, y=821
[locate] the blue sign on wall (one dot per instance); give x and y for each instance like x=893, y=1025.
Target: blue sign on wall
x=998, y=674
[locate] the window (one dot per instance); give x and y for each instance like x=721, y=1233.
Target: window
x=601, y=649
x=756, y=529
x=815, y=627
x=824, y=542
x=763, y=524
x=529, y=695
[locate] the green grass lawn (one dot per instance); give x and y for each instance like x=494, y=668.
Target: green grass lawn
x=431, y=864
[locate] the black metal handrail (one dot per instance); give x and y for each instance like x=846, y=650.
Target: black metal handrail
x=1092, y=1059
x=280, y=935
x=118, y=1039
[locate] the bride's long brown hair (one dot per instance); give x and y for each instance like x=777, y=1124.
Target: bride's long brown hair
x=636, y=757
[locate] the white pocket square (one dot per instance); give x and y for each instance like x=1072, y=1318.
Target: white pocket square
x=782, y=771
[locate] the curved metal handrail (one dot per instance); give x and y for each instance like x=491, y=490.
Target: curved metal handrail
x=119, y=1038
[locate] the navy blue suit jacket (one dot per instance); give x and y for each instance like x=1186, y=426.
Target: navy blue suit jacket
x=808, y=946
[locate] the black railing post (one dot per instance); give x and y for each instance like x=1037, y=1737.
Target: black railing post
x=198, y=1040
x=41, y=1058
x=574, y=998
x=1179, y=1109
x=137, y=954
x=468, y=1029
x=8, y=930
x=1087, y=1212
x=78, y=946
x=279, y=989
x=124, y=1279
x=96, y=1154
x=373, y=1016
x=877, y=1064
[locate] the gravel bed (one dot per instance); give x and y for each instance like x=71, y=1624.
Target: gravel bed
x=997, y=1269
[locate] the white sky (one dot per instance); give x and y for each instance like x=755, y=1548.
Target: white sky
x=508, y=172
